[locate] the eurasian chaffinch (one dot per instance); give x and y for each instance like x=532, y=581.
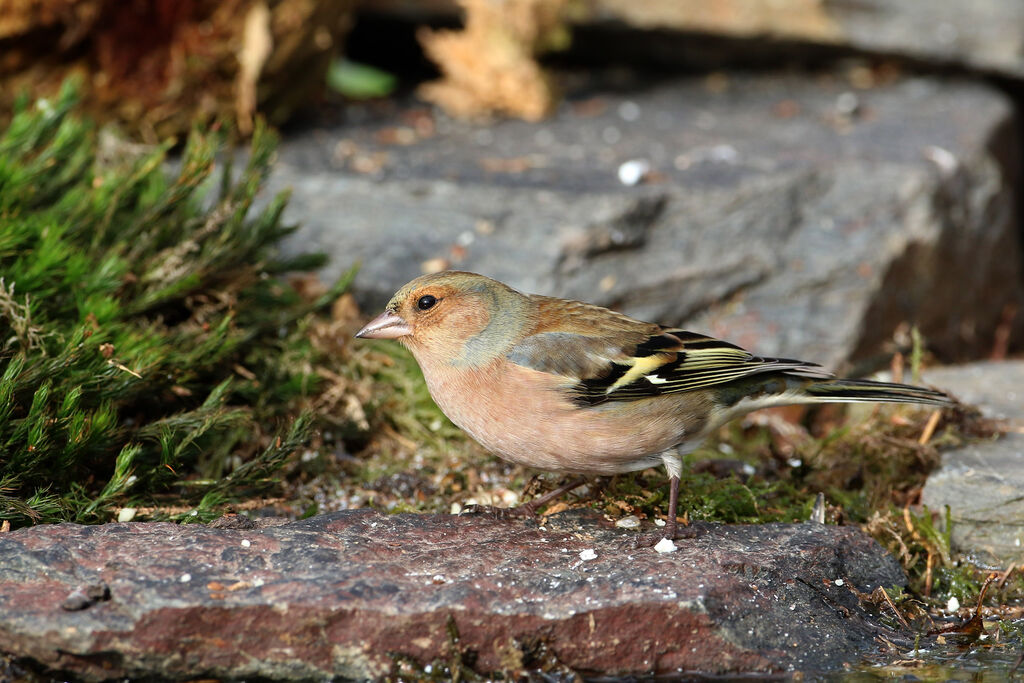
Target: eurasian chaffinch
x=572, y=387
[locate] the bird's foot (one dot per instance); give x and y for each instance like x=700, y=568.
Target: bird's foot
x=671, y=532
x=524, y=511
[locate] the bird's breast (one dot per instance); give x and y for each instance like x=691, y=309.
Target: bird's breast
x=526, y=416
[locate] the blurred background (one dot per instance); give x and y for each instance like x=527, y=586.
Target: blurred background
x=804, y=176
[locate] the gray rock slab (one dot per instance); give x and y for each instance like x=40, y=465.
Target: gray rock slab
x=983, y=483
x=354, y=594
x=792, y=215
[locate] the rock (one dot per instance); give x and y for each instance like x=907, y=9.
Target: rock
x=354, y=593
x=987, y=35
x=981, y=482
x=794, y=216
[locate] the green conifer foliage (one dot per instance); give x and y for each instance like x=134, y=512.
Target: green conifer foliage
x=148, y=345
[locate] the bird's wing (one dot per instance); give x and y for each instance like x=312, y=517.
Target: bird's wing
x=600, y=368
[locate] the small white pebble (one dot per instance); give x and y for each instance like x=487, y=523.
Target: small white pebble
x=257, y=582
x=726, y=154
x=847, y=104
x=588, y=554
x=246, y=543
x=665, y=545
x=629, y=111
x=839, y=582
x=630, y=522
x=126, y=514
x=941, y=157
x=659, y=522
x=185, y=578
x=953, y=604
x=634, y=171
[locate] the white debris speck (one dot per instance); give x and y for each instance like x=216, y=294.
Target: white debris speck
x=659, y=522
x=629, y=111
x=792, y=608
x=630, y=522
x=665, y=545
x=726, y=154
x=588, y=554
x=246, y=543
x=126, y=514
x=795, y=462
x=456, y=508
x=847, y=104
x=953, y=604
x=943, y=158
x=839, y=582
x=634, y=171
x=185, y=578
x=257, y=582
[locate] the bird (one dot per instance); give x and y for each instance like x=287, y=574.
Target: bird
x=575, y=388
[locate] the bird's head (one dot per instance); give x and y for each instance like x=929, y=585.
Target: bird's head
x=451, y=313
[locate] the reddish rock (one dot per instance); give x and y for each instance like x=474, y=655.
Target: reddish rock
x=354, y=593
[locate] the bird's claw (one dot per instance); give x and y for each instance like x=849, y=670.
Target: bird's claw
x=494, y=512
x=691, y=530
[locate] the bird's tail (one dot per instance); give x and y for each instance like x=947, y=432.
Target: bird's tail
x=870, y=391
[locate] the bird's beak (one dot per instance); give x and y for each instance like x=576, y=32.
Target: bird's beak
x=387, y=325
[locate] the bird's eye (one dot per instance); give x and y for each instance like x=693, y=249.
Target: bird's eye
x=426, y=302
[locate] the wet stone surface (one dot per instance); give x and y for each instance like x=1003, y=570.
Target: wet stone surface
x=982, y=481
x=351, y=593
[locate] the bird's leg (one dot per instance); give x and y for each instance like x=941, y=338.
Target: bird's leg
x=674, y=464
x=527, y=509
x=673, y=502
x=531, y=507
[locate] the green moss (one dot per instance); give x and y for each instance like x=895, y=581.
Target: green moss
x=150, y=352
